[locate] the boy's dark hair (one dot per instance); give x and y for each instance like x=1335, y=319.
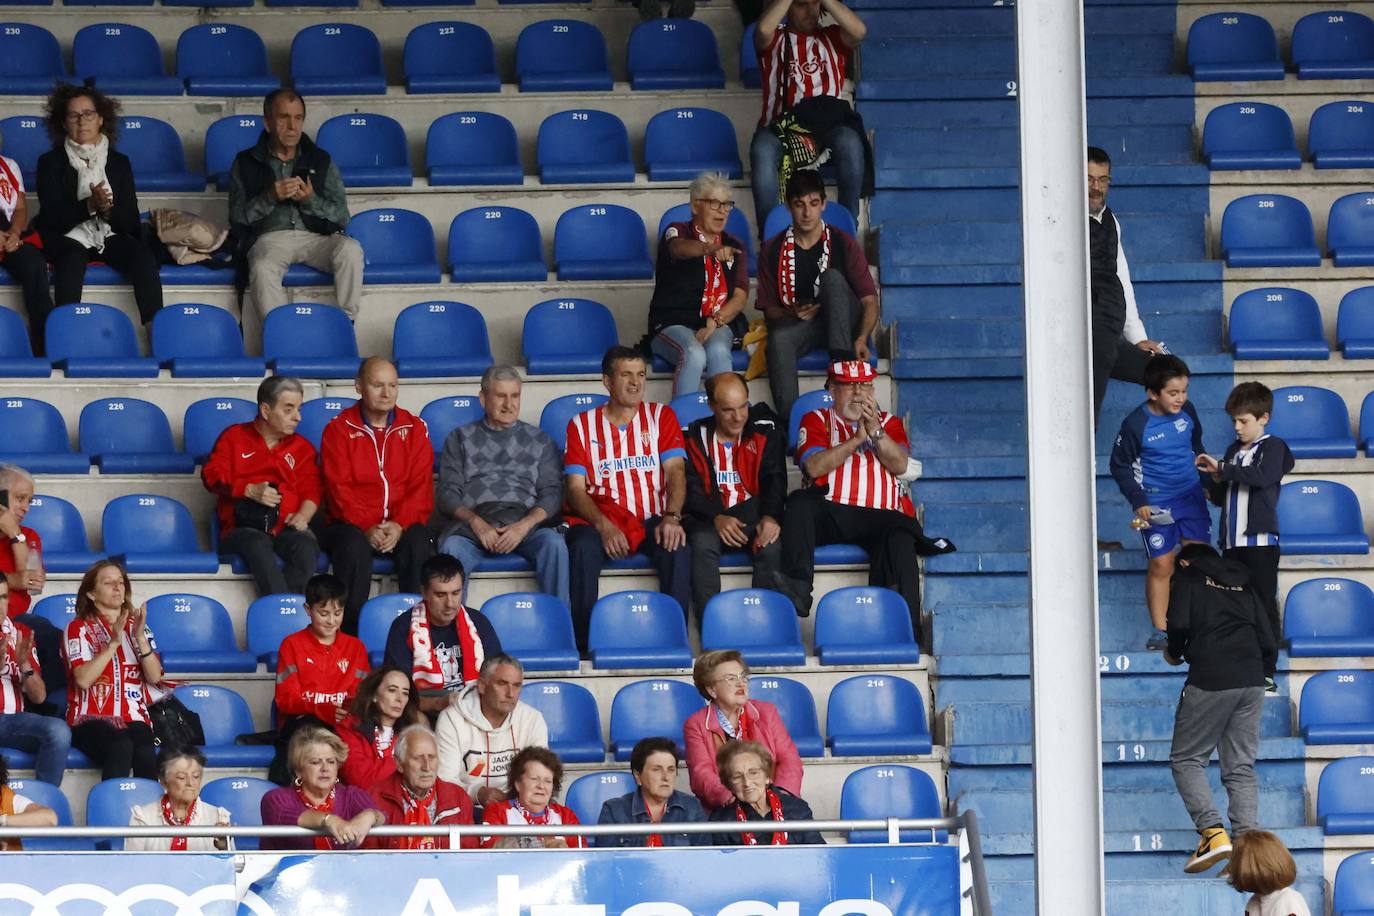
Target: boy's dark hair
x=803, y=182
x=1098, y=156
x=1161, y=369
x=616, y=354
x=648, y=746
x=324, y=588
x=1253, y=398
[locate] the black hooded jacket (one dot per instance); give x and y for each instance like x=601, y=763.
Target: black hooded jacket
x=1218, y=624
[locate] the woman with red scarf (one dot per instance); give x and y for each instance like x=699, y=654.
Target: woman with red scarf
x=344, y=815
x=536, y=775
x=384, y=705
x=747, y=768
x=181, y=771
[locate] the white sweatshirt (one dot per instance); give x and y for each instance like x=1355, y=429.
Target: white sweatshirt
x=473, y=752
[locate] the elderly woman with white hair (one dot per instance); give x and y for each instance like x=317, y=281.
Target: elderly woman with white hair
x=415, y=796
x=181, y=770
x=701, y=283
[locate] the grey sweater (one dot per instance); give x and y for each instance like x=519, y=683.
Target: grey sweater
x=500, y=474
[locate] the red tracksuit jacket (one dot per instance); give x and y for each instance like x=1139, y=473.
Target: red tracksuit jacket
x=372, y=476
x=241, y=457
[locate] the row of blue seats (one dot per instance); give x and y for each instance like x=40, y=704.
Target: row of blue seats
x=341, y=58
x=1279, y=322
x=1332, y=44
x=1257, y=135
x=1316, y=423
x=873, y=792
x=1274, y=230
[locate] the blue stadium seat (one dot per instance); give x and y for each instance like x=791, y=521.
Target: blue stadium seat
x=155, y=534
x=865, y=625
x=535, y=628
x=224, y=715
x=1277, y=323
x=690, y=407
x=1337, y=707
x=317, y=412
x=1329, y=616
x=835, y=214
x=1320, y=516
x=1355, y=323
x=559, y=412
x=583, y=146
x=749, y=74
x=16, y=354
x=495, y=245
x=49, y=796
x=241, y=796
x=111, y=803
x=1350, y=230
x=1313, y=421
x=1333, y=45
x=195, y=340
x=681, y=143
x=398, y=246
x=224, y=140
x=154, y=150
x=130, y=436
x=890, y=790
x=310, y=341
x=370, y=150
x=638, y=630
x=796, y=707
x=271, y=619
x=590, y=791
x=674, y=54
x=561, y=55
x=876, y=714
x=1341, y=135
x=375, y=621
x=1233, y=46
x=196, y=636
x=58, y=610
x=36, y=438
x=803, y=405
x=601, y=242
x=443, y=415
x=89, y=340
x=1268, y=230
x=26, y=138
x=1353, y=893
x=30, y=60
x=337, y=59
x=646, y=709
x=572, y=716
x=473, y=147
x=121, y=59
x=1249, y=135
x=760, y=623
x=440, y=338
x=450, y=56
x=223, y=59
x=65, y=546
x=1345, y=796
x=563, y=336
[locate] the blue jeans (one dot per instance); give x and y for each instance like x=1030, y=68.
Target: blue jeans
x=43, y=736
x=544, y=549
x=678, y=345
x=765, y=155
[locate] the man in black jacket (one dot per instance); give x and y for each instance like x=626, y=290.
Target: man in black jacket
x=736, y=486
x=1218, y=625
x=287, y=205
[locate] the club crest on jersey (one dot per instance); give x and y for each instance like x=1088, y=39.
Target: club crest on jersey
x=1156, y=541
x=403, y=433
x=801, y=436
x=343, y=664
x=291, y=461
x=1180, y=424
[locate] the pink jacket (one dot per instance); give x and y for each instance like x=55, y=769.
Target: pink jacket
x=702, y=736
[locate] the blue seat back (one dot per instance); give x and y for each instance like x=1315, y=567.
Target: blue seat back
x=1354, y=888
x=32, y=427
x=1355, y=316
x=58, y=523
x=1351, y=222
x=335, y=49
x=224, y=715
x=875, y=704
x=115, y=49
x=1337, y=698
x=834, y=214
x=195, y=330
x=241, y=796
x=365, y=141
x=737, y=224
x=153, y=146
x=1344, y=125
x=599, y=232
x=25, y=140
x=110, y=803
x=471, y=138
x=492, y=235
x=1306, y=412
x=440, y=48
x=1328, y=607
x=692, y=134
x=1346, y=787
x=393, y=236
x=124, y=426
x=672, y=45
x=803, y=405
x=582, y=136
x=58, y=610
x=1247, y=127
x=1231, y=38
x=646, y=709
x=529, y=620
x=863, y=614
x=795, y=702
x=559, y=46
x=220, y=49
x=690, y=407
x=377, y=615
x=225, y=139
x=206, y=419
x=569, y=710
x=316, y=414
x=438, y=329
x=590, y=791
x=638, y=620
x=1315, y=507
x=190, y=623
x=749, y=58
x=88, y=329
x=146, y=523
x=1276, y=313
x=444, y=415
x=889, y=790
x=271, y=619
x=744, y=617
x=28, y=51
x=47, y=795
x=1266, y=221
x=308, y=330
x=559, y=412
x=1333, y=36
x=14, y=336
x=566, y=328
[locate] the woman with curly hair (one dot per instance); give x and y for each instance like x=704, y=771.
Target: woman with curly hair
x=88, y=205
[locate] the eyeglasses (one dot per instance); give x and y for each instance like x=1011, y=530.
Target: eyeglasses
x=720, y=206
x=1102, y=182
x=752, y=773
x=89, y=114
x=855, y=386
x=734, y=678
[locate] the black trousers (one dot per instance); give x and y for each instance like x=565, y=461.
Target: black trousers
x=124, y=253
x=299, y=550
x=29, y=269
x=889, y=537
x=1263, y=563
x=1114, y=358
x=351, y=556
x=119, y=752
x=586, y=558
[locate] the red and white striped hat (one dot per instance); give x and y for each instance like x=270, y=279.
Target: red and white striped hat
x=852, y=370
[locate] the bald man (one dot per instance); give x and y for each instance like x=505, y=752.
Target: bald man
x=378, y=488
x=736, y=486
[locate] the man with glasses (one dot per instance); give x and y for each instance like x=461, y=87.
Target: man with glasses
x=1121, y=348
x=701, y=283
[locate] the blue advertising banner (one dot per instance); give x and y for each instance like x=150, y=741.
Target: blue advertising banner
x=114, y=884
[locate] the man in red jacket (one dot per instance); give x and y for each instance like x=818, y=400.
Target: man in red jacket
x=267, y=489
x=414, y=795
x=378, y=487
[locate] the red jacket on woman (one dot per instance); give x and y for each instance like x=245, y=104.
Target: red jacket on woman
x=372, y=476
x=702, y=736
x=241, y=457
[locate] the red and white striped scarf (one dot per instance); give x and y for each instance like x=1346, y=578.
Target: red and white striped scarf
x=774, y=811
x=425, y=668
x=714, y=290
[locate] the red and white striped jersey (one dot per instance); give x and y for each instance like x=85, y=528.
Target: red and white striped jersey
x=817, y=62
x=624, y=465
x=728, y=480
x=861, y=480
x=11, y=681
x=120, y=692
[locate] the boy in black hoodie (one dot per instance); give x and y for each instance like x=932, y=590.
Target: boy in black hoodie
x=1219, y=626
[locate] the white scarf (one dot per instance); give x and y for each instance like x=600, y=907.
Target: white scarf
x=89, y=161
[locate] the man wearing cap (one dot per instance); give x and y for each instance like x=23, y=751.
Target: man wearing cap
x=852, y=456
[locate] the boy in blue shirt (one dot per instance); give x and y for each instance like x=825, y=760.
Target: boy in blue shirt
x=1154, y=462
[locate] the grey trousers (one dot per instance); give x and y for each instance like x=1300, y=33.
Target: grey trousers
x=1227, y=721
x=706, y=550
x=274, y=252
x=834, y=327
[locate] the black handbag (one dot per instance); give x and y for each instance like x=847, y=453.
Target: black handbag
x=174, y=725
x=249, y=513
